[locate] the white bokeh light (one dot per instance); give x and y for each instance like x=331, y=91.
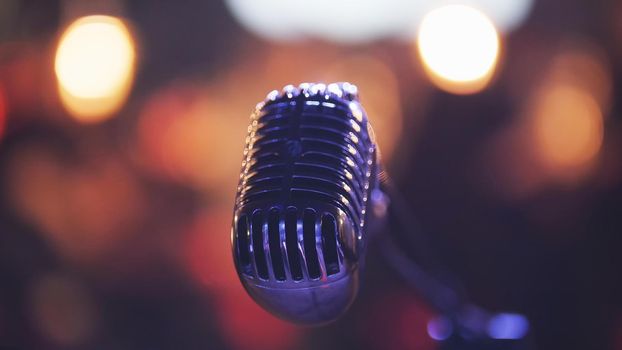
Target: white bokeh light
x=94, y=65
x=350, y=21
x=459, y=47
x=95, y=56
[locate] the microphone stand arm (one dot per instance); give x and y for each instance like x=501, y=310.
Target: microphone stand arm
x=461, y=324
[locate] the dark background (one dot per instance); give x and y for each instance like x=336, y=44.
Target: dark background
x=114, y=233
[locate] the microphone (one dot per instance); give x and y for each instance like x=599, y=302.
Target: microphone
x=308, y=184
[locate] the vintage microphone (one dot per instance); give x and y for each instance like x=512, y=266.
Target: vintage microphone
x=306, y=192
x=312, y=190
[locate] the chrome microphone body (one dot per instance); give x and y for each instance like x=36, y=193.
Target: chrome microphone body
x=309, y=170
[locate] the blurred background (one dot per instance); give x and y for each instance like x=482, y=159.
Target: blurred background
x=122, y=125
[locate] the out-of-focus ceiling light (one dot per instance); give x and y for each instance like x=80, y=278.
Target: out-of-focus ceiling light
x=348, y=21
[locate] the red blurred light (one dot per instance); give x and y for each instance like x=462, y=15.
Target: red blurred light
x=3, y=111
x=398, y=321
x=207, y=252
x=261, y=330
x=617, y=334
x=207, y=256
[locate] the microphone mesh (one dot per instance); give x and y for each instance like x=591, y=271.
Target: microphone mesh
x=306, y=171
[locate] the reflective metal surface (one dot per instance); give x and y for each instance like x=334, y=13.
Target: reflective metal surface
x=309, y=168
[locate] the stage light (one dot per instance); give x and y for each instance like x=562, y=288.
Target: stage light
x=267, y=18
x=94, y=66
x=346, y=21
x=332, y=20
x=459, y=47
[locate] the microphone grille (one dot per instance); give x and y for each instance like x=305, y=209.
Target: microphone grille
x=304, y=185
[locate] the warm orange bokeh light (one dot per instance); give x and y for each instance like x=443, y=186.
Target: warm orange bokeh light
x=459, y=47
x=94, y=65
x=83, y=209
x=585, y=66
x=557, y=137
x=193, y=135
x=568, y=128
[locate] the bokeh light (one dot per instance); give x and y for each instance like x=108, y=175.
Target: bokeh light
x=207, y=251
x=558, y=134
x=193, y=134
x=506, y=15
x=262, y=330
x=440, y=328
x=84, y=209
x=565, y=115
x=266, y=18
x=459, y=47
x=584, y=65
x=508, y=326
x=568, y=128
x=115, y=233
x=355, y=22
x=338, y=21
x=397, y=321
x=94, y=66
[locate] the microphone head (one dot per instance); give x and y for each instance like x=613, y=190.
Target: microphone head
x=299, y=229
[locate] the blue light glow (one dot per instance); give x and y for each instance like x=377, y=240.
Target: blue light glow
x=508, y=326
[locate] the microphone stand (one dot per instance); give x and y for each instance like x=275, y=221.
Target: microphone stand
x=461, y=325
